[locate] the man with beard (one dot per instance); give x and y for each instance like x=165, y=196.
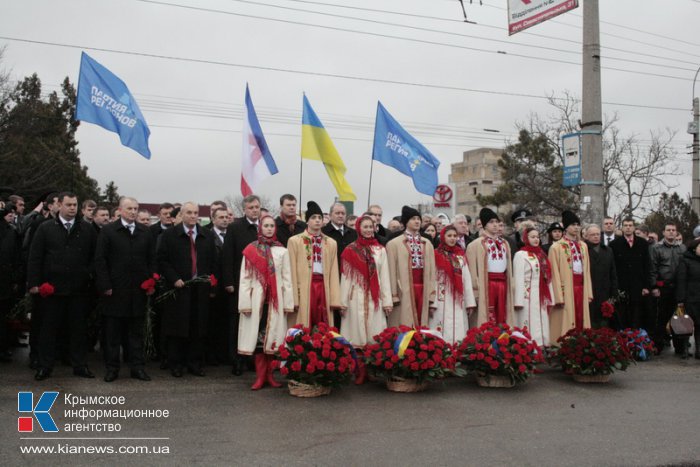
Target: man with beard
x=124, y=259
x=239, y=235
x=287, y=223
x=62, y=255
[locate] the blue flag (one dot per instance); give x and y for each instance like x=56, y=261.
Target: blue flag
x=104, y=99
x=396, y=148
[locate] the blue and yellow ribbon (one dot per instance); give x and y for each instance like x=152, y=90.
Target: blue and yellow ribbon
x=402, y=341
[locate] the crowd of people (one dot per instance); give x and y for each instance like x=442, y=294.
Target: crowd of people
x=225, y=293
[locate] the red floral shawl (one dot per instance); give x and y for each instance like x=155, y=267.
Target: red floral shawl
x=545, y=269
x=259, y=262
x=358, y=261
x=448, y=265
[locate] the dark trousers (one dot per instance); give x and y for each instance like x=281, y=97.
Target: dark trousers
x=233, y=319
x=664, y=307
x=218, y=335
x=35, y=328
x=187, y=351
x=57, y=312
x=631, y=312
x=5, y=307
x=693, y=310
x=120, y=330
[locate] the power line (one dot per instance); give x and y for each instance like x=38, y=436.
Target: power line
x=409, y=39
x=326, y=75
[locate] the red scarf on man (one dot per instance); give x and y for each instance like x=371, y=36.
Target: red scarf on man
x=259, y=262
x=447, y=263
x=545, y=270
x=358, y=261
x=290, y=221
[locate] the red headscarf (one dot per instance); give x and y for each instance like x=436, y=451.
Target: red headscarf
x=545, y=267
x=448, y=264
x=259, y=262
x=358, y=261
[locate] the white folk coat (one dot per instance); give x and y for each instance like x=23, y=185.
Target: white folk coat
x=526, y=294
x=450, y=317
x=363, y=319
x=250, y=299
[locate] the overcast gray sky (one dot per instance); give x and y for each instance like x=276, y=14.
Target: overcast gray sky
x=194, y=108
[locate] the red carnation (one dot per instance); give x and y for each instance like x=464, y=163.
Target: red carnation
x=607, y=309
x=213, y=280
x=149, y=285
x=156, y=276
x=284, y=371
x=296, y=366
x=46, y=290
x=298, y=349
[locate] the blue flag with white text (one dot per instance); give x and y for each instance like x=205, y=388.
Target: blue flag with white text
x=104, y=99
x=396, y=148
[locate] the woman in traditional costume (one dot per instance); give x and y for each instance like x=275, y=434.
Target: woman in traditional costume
x=264, y=299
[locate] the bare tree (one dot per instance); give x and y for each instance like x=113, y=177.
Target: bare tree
x=236, y=203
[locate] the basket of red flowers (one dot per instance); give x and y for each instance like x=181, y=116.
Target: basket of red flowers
x=592, y=355
x=498, y=355
x=315, y=360
x=409, y=358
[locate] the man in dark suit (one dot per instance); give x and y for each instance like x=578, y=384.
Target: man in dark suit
x=124, y=259
x=603, y=273
x=217, y=334
x=62, y=254
x=383, y=236
x=632, y=265
x=288, y=225
x=186, y=252
x=213, y=207
x=239, y=235
x=165, y=221
x=519, y=216
x=342, y=235
x=608, y=233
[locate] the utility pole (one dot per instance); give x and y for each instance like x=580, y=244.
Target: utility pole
x=591, y=119
x=693, y=128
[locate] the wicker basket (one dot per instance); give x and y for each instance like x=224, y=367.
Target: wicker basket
x=298, y=389
x=397, y=384
x=591, y=378
x=494, y=381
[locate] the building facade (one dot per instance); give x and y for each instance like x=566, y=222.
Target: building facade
x=477, y=174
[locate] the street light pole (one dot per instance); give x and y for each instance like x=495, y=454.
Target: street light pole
x=693, y=128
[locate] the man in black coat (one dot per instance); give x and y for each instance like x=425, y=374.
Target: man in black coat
x=242, y=232
x=165, y=221
x=519, y=216
x=287, y=223
x=62, y=254
x=632, y=265
x=337, y=230
x=343, y=236
x=218, y=336
x=10, y=272
x=603, y=274
x=382, y=235
x=124, y=259
x=186, y=252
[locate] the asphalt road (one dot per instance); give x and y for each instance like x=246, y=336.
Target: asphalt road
x=649, y=415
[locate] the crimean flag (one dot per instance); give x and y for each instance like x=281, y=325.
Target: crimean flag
x=256, y=159
x=316, y=145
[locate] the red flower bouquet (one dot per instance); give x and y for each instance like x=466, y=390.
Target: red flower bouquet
x=410, y=354
x=149, y=285
x=46, y=290
x=639, y=344
x=607, y=309
x=593, y=352
x=318, y=357
x=213, y=280
x=497, y=350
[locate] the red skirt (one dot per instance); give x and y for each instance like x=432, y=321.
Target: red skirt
x=418, y=293
x=497, y=297
x=317, y=301
x=578, y=301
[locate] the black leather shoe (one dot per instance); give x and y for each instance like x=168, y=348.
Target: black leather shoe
x=237, y=369
x=140, y=374
x=83, y=372
x=196, y=371
x=111, y=375
x=176, y=372
x=42, y=374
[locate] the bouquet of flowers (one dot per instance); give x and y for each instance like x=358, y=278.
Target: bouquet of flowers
x=499, y=350
x=149, y=286
x=406, y=353
x=607, y=309
x=170, y=293
x=593, y=352
x=316, y=357
x=639, y=344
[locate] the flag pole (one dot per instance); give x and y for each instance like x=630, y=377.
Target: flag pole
x=301, y=175
x=369, y=193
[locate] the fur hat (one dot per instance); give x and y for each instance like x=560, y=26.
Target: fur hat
x=407, y=213
x=311, y=209
x=485, y=215
x=568, y=218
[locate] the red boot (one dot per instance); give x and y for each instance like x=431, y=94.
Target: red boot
x=260, y=371
x=361, y=376
x=269, y=376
